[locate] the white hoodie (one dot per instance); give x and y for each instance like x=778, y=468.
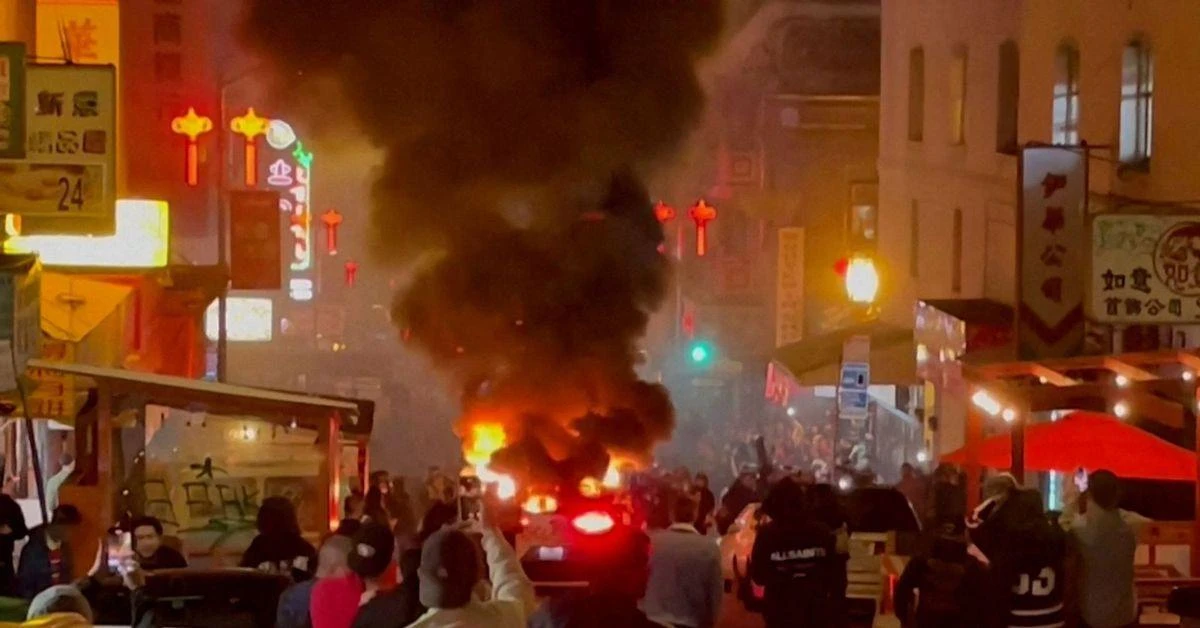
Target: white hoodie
x=512, y=598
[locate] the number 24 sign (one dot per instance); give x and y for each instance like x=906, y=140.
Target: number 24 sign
x=33, y=189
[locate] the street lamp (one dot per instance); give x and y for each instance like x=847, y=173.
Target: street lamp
x=862, y=280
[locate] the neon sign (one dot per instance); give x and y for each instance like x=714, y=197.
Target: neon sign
x=291, y=174
x=332, y=219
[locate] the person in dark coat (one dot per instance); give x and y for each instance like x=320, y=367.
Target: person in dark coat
x=12, y=529
x=279, y=547
x=795, y=560
x=402, y=605
x=46, y=559
x=150, y=553
x=706, y=502
x=943, y=586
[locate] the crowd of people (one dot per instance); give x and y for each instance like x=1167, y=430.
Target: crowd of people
x=1006, y=563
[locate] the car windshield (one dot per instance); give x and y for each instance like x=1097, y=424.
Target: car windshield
x=879, y=510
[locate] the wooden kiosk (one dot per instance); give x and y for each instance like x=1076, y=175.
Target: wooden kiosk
x=118, y=398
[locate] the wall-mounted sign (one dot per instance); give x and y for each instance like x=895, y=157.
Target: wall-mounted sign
x=254, y=262
x=1051, y=260
x=1145, y=269
x=789, y=287
x=12, y=100
x=69, y=169
x=142, y=240
x=247, y=319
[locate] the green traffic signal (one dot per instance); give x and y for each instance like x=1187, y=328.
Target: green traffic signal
x=700, y=353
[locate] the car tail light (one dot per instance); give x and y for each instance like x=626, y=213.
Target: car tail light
x=594, y=522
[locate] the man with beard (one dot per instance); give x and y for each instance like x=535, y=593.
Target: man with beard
x=795, y=560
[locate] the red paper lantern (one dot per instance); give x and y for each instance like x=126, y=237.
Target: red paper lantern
x=332, y=219
x=351, y=267
x=841, y=266
x=702, y=213
x=663, y=212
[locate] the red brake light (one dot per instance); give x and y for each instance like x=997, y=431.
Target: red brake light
x=594, y=522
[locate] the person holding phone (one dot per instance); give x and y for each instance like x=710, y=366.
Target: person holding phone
x=148, y=549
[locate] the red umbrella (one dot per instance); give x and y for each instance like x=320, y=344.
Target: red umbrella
x=1090, y=440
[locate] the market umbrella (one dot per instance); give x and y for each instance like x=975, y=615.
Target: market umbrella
x=1090, y=440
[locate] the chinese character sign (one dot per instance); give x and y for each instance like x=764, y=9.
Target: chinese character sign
x=789, y=287
x=90, y=30
x=69, y=168
x=1052, y=257
x=12, y=100
x=1145, y=269
x=254, y=235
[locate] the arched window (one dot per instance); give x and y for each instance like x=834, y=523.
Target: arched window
x=1008, y=97
x=916, y=94
x=1065, y=129
x=1137, y=104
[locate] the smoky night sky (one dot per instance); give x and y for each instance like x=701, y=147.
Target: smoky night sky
x=516, y=135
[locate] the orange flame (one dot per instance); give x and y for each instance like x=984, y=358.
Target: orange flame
x=485, y=440
x=540, y=504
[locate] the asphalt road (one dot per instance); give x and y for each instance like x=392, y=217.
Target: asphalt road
x=734, y=615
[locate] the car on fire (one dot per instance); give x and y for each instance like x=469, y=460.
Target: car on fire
x=883, y=530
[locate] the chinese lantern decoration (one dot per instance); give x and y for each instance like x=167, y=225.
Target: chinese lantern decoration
x=192, y=126
x=250, y=126
x=351, y=267
x=332, y=219
x=663, y=212
x=702, y=213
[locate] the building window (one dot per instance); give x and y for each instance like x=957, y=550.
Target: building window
x=168, y=28
x=1137, y=104
x=1065, y=128
x=958, y=95
x=914, y=240
x=168, y=66
x=864, y=216
x=956, y=271
x=916, y=94
x=1008, y=90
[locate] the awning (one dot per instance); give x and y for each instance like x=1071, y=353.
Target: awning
x=73, y=306
x=1089, y=440
x=817, y=361
x=224, y=399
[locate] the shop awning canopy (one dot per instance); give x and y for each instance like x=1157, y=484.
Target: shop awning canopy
x=73, y=306
x=816, y=361
x=1089, y=440
x=224, y=399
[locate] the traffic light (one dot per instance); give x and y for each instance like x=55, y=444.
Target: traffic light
x=700, y=353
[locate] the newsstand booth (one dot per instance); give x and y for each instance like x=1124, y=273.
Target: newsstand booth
x=201, y=456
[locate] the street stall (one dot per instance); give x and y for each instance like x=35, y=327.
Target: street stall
x=1152, y=394
x=201, y=456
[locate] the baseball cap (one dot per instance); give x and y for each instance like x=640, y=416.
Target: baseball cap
x=450, y=567
x=372, y=552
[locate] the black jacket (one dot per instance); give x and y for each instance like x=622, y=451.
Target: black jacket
x=163, y=558
x=796, y=563
x=952, y=586
x=400, y=606
x=287, y=555
x=34, y=572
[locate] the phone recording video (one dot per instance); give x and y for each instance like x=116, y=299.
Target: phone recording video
x=118, y=549
x=470, y=498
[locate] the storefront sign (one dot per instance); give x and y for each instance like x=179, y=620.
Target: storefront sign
x=254, y=256
x=69, y=170
x=89, y=30
x=1051, y=256
x=789, y=287
x=1145, y=269
x=12, y=100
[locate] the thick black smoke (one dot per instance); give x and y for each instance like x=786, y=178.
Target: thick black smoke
x=516, y=135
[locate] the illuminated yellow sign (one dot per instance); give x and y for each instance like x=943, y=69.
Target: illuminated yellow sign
x=90, y=29
x=142, y=240
x=247, y=319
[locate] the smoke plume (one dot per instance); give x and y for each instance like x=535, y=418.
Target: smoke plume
x=516, y=135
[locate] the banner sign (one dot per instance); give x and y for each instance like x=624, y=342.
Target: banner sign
x=69, y=170
x=1051, y=254
x=254, y=233
x=789, y=287
x=12, y=100
x=1145, y=269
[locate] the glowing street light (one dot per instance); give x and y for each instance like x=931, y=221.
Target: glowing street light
x=1121, y=409
x=862, y=280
